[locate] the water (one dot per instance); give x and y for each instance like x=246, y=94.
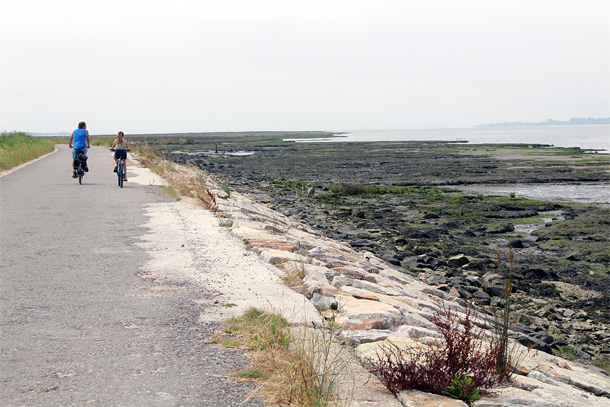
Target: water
x=592, y=137
x=595, y=137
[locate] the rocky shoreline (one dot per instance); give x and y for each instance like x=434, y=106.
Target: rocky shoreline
x=416, y=223
x=376, y=302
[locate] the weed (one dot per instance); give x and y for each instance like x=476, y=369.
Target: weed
x=466, y=355
x=225, y=187
x=295, y=273
x=460, y=389
x=508, y=355
x=226, y=223
x=253, y=373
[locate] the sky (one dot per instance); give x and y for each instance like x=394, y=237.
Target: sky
x=155, y=66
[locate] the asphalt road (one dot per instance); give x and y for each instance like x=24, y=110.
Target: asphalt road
x=80, y=324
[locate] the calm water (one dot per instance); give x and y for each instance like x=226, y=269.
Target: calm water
x=595, y=137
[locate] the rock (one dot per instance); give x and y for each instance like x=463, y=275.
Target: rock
x=415, y=398
x=416, y=332
x=314, y=281
x=521, y=370
x=271, y=244
x=356, y=338
x=361, y=243
x=371, y=350
x=458, y=261
x=544, y=336
x=323, y=302
x=391, y=259
x=454, y=292
x=538, y=344
x=568, y=313
x=367, y=324
x=365, y=313
x=275, y=257
x=516, y=244
x=222, y=194
x=482, y=296
x=341, y=281
x=375, y=288
x=495, y=290
x=536, y=274
x=414, y=319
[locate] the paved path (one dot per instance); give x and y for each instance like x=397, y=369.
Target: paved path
x=79, y=323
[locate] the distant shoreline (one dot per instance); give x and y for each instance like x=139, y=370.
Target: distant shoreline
x=579, y=121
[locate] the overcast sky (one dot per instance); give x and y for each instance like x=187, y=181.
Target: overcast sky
x=152, y=66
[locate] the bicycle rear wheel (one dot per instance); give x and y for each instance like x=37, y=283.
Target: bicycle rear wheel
x=80, y=174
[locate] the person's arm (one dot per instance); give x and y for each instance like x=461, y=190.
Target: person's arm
x=71, y=138
x=88, y=140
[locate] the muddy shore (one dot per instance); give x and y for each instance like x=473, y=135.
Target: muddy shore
x=401, y=200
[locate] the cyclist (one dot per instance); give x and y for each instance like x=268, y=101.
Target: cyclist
x=80, y=138
x=120, y=148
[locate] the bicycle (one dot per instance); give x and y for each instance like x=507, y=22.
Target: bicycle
x=80, y=164
x=120, y=169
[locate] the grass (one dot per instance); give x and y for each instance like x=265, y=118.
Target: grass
x=603, y=362
x=169, y=191
x=302, y=367
x=17, y=148
x=182, y=180
x=295, y=273
x=227, y=223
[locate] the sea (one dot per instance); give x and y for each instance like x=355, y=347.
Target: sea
x=590, y=137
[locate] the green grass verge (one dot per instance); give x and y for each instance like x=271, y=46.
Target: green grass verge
x=17, y=148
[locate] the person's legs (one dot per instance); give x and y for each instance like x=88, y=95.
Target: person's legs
x=72, y=164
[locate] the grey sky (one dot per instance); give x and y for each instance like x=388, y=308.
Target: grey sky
x=191, y=65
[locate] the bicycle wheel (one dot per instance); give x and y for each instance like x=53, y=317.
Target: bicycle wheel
x=80, y=174
x=120, y=174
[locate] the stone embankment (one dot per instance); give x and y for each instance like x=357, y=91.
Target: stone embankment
x=377, y=302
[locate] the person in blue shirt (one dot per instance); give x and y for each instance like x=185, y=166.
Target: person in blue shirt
x=81, y=142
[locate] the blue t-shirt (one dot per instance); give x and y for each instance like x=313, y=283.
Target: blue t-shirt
x=80, y=139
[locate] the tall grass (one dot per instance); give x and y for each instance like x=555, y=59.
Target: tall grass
x=187, y=181
x=302, y=367
x=17, y=148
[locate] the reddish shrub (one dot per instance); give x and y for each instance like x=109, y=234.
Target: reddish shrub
x=466, y=352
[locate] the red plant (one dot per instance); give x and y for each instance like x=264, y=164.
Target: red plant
x=465, y=353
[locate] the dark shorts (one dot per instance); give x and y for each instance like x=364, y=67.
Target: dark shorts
x=120, y=154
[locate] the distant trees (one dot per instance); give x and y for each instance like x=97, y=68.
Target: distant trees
x=551, y=122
